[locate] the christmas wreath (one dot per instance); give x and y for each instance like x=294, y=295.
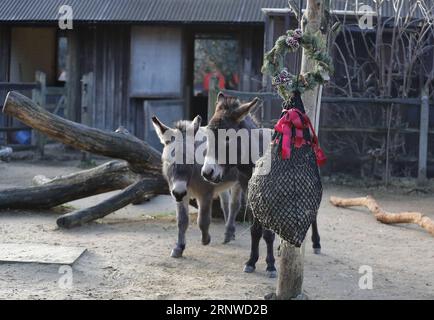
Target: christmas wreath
x=287, y=83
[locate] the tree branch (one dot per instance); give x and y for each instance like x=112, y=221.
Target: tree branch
x=131, y=194
x=384, y=216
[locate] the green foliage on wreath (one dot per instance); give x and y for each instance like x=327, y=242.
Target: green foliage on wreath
x=287, y=83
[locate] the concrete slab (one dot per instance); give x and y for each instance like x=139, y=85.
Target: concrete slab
x=39, y=253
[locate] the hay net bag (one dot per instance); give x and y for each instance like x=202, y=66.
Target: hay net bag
x=287, y=199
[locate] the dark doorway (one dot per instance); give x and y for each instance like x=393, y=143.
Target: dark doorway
x=215, y=55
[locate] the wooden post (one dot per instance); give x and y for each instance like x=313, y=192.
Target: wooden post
x=246, y=45
x=39, y=96
x=212, y=96
x=87, y=107
x=266, y=81
x=314, y=21
x=5, y=44
x=423, y=138
x=290, y=280
x=87, y=95
x=73, y=87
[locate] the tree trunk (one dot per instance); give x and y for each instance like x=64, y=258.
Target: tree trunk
x=315, y=19
x=140, y=175
x=290, y=280
x=111, y=176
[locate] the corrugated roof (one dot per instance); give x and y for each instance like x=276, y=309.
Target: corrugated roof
x=177, y=11
x=184, y=11
x=387, y=7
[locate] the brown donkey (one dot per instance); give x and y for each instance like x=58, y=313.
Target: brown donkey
x=231, y=116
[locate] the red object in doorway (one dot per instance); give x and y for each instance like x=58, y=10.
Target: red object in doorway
x=208, y=76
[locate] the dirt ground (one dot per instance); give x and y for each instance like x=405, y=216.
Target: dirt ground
x=128, y=252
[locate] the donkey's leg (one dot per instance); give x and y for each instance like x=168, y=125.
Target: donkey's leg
x=204, y=218
x=182, y=218
x=269, y=237
x=235, y=206
x=315, y=238
x=256, y=234
x=224, y=203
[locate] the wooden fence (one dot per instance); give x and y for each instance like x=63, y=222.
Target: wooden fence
x=270, y=110
x=52, y=99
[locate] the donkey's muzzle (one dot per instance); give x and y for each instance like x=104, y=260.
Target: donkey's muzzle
x=208, y=175
x=179, y=195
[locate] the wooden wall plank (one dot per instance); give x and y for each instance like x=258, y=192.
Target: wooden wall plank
x=156, y=61
x=73, y=90
x=5, y=48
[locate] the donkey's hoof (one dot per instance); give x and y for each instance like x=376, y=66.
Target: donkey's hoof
x=228, y=238
x=206, y=240
x=317, y=250
x=270, y=296
x=249, y=269
x=177, y=252
x=271, y=271
x=271, y=274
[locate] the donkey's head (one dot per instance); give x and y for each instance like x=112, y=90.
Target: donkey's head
x=225, y=139
x=178, y=142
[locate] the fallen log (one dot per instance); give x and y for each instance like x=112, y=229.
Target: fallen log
x=110, y=176
x=133, y=193
x=384, y=216
x=139, y=175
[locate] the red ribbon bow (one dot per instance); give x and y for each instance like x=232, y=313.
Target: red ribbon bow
x=294, y=118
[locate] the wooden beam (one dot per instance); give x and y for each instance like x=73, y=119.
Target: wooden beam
x=11, y=129
x=269, y=94
x=212, y=96
x=423, y=139
x=39, y=96
x=247, y=69
x=266, y=81
x=405, y=101
x=374, y=130
x=73, y=85
x=19, y=86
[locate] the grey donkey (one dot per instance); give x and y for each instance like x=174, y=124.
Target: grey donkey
x=183, y=175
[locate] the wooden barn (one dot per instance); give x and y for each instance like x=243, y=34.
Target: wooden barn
x=126, y=59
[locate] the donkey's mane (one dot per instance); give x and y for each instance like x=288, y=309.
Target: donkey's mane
x=182, y=125
x=230, y=103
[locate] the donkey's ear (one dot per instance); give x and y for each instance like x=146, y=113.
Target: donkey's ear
x=242, y=111
x=162, y=130
x=197, y=121
x=220, y=97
